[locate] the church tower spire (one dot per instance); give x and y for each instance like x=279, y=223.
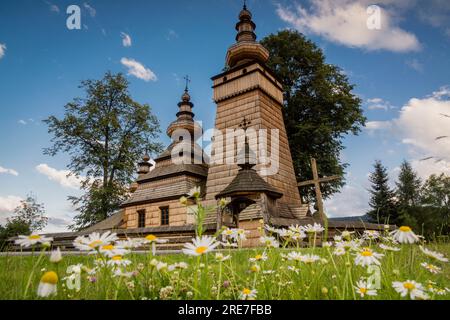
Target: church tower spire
x=246, y=47
x=185, y=116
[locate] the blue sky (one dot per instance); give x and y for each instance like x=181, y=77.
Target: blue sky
x=401, y=72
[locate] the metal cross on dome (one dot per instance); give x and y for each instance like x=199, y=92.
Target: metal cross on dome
x=187, y=82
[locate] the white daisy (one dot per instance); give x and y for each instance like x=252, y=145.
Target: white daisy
x=271, y=229
x=433, y=254
x=431, y=267
x=316, y=228
x=412, y=288
x=270, y=242
x=228, y=233
x=229, y=244
x=371, y=234
x=367, y=257
x=248, y=294
x=363, y=288
x=130, y=243
x=309, y=258
x=258, y=257
x=56, y=256
x=339, y=251
x=47, y=285
x=241, y=234
x=404, y=235
x=294, y=256
x=151, y=238
x=32, y=239
x=195, y=192
x=221, y=258
x=94, y=240
x=200, y=246
x=327, y=244
x=118, y=261
x=177, y=265
x=111, y=250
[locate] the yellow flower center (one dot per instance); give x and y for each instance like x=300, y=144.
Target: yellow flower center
x=95, y=243
x=409, y=286
x=108, y=247
x=363, y=290
x=116, y=258
x=34, y=237
x=151, y=237
x=246, y=291
x=50, y=277
x=258, y=257
x=405, y=229
x=254, y=268
x=201, y=250
x=367, y=253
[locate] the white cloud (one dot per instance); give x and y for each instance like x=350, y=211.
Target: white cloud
x=138, y=70
x=378, y=125
x=126, y=39
x=345, y=22
x=90, y=9
x=353, y=200
x=60, y=176
x=9, y=203
x=2, y=50
x=8, y=171
x=378, y=104
x=415, y=64
x=423, y=125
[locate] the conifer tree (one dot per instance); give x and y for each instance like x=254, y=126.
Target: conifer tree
x=382, y=201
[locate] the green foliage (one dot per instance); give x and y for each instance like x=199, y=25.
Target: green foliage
x=13, y=228
x=320, y=108
x=105, y=133
x=30, y=213
x=382, y=201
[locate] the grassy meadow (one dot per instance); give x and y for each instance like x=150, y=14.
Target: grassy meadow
x=270, y=272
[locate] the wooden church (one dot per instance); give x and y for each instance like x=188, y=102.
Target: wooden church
x=248, y=96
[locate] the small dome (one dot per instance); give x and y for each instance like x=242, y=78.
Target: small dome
x=186, y=96
x=146, y=158
x=245, y=14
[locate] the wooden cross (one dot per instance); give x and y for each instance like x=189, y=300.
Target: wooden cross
x=316, y=181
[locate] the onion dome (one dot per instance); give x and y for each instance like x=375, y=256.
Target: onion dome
x=144, y=166
x=246, y=47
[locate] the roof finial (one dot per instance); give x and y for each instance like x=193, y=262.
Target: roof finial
x=187, y=83
x=245, y=4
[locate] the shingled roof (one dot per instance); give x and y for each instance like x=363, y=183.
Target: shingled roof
x=248, y=180
x=175, y=169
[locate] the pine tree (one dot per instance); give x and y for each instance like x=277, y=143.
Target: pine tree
x=408, y=186
x=382, y=201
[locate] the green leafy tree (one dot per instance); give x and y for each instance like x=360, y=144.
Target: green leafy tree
x=13, y=228
x=105, y=133
x=319, y=109
x=436, y=198
x=382, y=201
x=30, y=213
